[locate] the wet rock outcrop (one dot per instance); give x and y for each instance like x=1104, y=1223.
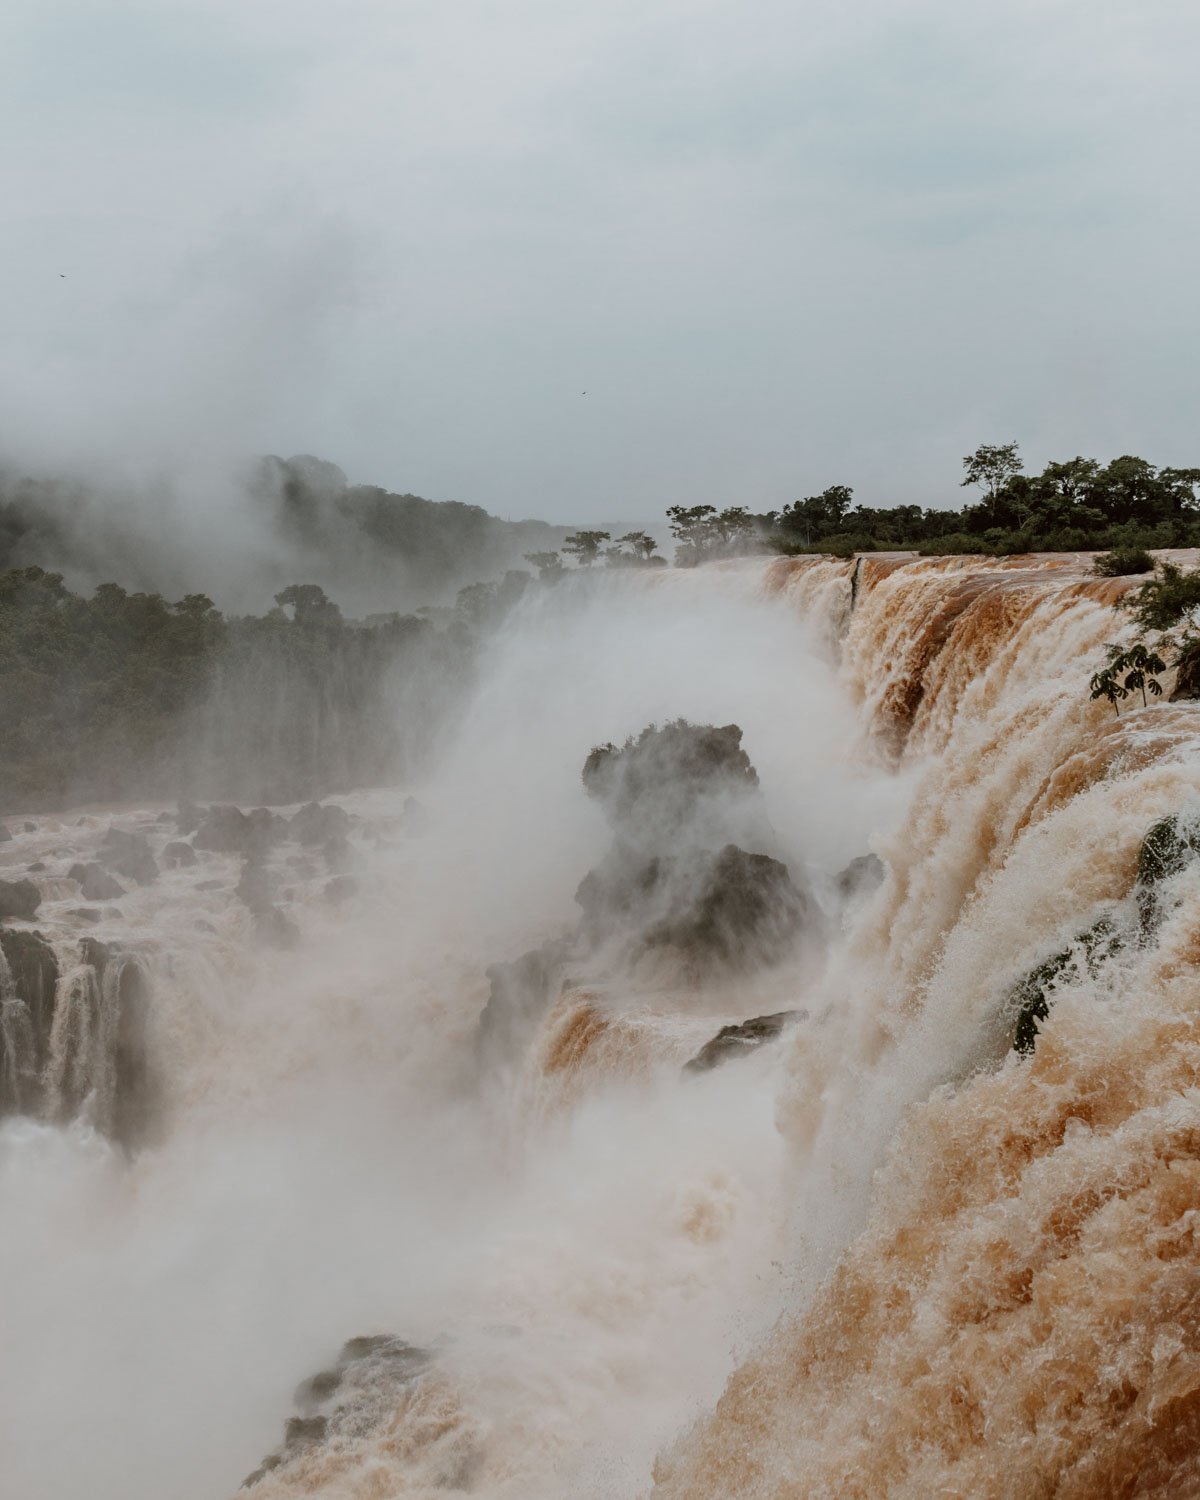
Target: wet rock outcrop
x=179, y=855
x=860, y=877
x=743, y=1038
x=520, y=995
x=355, y=1397
x=28, y=983
x=129, y=854
x=690, y=879
x=20, y=899
x=73, y=1035
x=95, y=883
x=320, y=823
x=688, y=870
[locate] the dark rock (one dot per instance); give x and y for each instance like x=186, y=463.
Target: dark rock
x=85, y=913
x=1187, y=677
x=341, y=856
x=274, y=929
x=521, y=993
x=225, y=830
x=320, y=823
x=202, y=926
x=112, y=912
x=367, y=1381
x=210, y=885
x=129, y=854
x=27, y=1000
x=165, y=817
x=189, y=817
x=5, y=836
x=317, y=1389
x=37, y=867
x=256, y=886
x=30, y=827
x=19, y=898
x=179, y=855
x=731, y=910
x=662, y=780
x=738, y=1040
x=95, y=884
x=860, y=877
x=340, y=888
x=301, y=1432
x=1168, y=848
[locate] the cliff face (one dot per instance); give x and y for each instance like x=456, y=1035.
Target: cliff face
x=1015, y=1315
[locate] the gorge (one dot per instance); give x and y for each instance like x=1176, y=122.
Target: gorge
x=876, y=1249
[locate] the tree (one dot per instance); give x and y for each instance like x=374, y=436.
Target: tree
x=991, y=468
x=1165, y=599
x=584, y=546
x=548, y=564
x=641, y=543
x=1132, y=670
x=310, y=604
x=817, y=516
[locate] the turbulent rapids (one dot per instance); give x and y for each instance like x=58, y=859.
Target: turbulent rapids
x=803, y=1103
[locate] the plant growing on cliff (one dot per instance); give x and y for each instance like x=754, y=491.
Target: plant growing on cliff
x=1165, y=599
x=1134, y=669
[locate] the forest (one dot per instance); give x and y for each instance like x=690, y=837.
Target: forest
x=128, y=694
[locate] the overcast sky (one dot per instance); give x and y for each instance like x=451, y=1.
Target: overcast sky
x=779, y=243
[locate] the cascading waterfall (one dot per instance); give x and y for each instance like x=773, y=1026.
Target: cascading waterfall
x=878, y=1254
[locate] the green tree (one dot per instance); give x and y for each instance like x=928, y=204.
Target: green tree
x=584, y=546
x=1134, y=669
x=991, y=467
x=548, y=564
x=640, y=543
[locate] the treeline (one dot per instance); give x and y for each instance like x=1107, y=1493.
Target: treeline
x=127, y=695
x=1077, y=504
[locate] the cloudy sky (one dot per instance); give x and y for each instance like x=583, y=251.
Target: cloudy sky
x=779, y=243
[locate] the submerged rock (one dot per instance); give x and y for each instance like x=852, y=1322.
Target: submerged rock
x=20, y=899
x=178, y=855
x=1168, y=848
x=129, y=854
x=743, y=1038
x=1029, y=1001
x=368, y=1381
x=228, y=830
x=860, y=877
x=521, y=993
x=1187, y=677
x=320, y=823
x=340, y=888
x=5, y=836
x=95, y=883
x=189, y=817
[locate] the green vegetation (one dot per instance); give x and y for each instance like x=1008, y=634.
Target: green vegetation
x=127, y=694
x=1077, y=504
x=1164, y=600
x=1123, y=563
x=1132, y=669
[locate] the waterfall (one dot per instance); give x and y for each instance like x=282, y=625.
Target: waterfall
x=457, y=1153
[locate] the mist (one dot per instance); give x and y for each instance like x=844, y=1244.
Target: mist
x=329, y=1164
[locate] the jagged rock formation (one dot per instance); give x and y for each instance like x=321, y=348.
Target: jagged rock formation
x=95, y=883
x=678, y=882
x=743, y=1038
x=356, y=1397
x=20, y=899
x=129, y=854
